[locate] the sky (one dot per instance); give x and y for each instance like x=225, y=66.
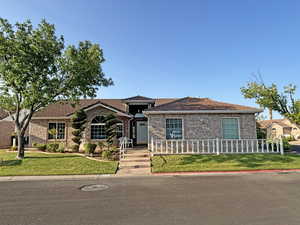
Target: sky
x=172, y=48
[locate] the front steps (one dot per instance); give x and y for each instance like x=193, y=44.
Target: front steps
x=136, y=162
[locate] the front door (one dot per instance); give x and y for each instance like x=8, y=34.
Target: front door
x=141, y=132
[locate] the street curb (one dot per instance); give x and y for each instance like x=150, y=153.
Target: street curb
x=99, y=176
x=227, y=172
x=55, y=177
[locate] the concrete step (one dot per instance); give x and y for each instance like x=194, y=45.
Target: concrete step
x=134, y=172
x=135, y=159
x=134, y=164
x=139, y=154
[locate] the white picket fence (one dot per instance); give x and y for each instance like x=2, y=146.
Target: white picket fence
x=215, y=146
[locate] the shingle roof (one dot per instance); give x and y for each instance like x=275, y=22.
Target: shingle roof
x=195, y=104
x=266, y=123
x=64, y=109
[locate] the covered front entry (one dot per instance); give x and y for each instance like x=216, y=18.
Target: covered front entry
x=141, y=132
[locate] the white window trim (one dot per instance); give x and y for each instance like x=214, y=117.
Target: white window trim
x=123, y=128
x=182, y=124
x=239, y=129
x=53, y=139
x=97, y=124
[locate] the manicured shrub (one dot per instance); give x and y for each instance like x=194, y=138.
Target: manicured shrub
x=89, y=148
x=61, y=148
x=52, y=147
x=34, y=144
x=286, y=145
x=102, y=146
x=13, y=148
x=78, y=120
x=75, y=148
x=41, y=147
x=107, y=154
x=290, y=138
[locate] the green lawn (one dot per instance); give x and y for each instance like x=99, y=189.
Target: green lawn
x=52, y=164
x=192, y=163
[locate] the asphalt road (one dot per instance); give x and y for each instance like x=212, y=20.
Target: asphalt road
x=262, y=199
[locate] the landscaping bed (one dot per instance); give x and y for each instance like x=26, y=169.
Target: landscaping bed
x=52, y=164
x=236, y=162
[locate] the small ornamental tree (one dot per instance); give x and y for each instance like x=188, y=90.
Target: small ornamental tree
x=78, y=120
x=37, y=69
x=110, y=129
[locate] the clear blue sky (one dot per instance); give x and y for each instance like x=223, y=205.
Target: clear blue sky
x=168, y=48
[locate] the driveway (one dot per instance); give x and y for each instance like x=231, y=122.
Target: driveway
x=260, y=199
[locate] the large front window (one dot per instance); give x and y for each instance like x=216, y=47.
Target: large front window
x=174, y=128
x=98, y=128
x=56, y=131
x=230, y=128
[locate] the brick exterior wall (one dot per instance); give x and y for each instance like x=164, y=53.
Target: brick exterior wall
x=39, y=128
x=201, y=126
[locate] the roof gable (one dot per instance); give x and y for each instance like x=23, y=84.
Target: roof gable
x=138, y=98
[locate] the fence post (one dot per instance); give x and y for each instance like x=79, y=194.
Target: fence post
x=217, y=145
x=152, y=145
x=281, y=147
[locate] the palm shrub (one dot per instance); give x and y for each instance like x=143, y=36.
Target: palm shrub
x=78, y=120
x=89, y=148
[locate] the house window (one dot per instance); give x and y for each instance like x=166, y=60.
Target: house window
x=59, y=128
x=98, y=128
x=119, y=130
x=174, y=128
x=230, y=128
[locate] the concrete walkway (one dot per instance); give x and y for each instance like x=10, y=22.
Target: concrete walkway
x=136, y=162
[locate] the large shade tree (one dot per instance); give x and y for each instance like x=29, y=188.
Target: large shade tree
x=286, y=103
x=37, y=69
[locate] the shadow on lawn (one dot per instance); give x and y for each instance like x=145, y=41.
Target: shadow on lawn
x=12, y=162
x=51, y=157
x=248, y=160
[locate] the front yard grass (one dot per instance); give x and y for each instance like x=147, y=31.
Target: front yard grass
x=195, y=163
x=52, y=164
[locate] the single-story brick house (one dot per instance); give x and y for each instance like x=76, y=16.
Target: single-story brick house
x=142, y=117
x=278, y=128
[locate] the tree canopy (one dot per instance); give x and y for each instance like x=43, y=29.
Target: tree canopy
x=37, y=69
x=270, y=97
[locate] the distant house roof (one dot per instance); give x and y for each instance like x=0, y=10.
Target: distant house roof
x=190, y=104
x=65, y=109
x=3, y=114
x=266, y=123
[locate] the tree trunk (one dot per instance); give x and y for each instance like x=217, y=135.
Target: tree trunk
x=270, y=113
x=21, y=152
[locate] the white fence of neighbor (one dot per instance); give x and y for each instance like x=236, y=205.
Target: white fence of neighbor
x=215, y=146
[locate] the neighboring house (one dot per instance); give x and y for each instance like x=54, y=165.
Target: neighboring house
x=279, y=128
x=7, y=129
x=141, y=118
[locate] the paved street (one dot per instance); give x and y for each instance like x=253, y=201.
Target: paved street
x=257, y=199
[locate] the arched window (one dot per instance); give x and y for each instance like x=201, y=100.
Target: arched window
x=98, y=128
